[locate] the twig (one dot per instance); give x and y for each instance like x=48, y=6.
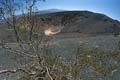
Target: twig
x=14, y=71
x=19, y=52
x=48, y=73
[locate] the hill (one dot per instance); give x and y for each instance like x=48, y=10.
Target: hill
x=82, y=22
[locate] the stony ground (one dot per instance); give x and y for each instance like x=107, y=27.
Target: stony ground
x=100, y=65
x=105, y=42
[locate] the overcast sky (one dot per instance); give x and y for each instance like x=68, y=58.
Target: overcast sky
x=108, y=7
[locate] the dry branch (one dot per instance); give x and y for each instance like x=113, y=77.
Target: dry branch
x=14, y=71
x=48, y=73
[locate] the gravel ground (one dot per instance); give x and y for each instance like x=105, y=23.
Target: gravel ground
x=67, y=47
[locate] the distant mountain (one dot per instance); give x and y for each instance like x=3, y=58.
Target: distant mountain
x=50, y=11
x=85, y=22
x=82, y=22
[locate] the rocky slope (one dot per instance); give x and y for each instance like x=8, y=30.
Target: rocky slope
x=82, y=22
x=76, y=24
x=94, y=30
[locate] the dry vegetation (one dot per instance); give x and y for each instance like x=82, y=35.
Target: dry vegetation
x=34, y=58
x=85, y=65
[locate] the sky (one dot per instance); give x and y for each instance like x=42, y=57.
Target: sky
x=110, y=8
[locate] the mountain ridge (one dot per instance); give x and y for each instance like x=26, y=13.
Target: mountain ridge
x=82, y=22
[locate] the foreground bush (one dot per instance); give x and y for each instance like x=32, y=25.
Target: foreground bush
x=85, y=65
